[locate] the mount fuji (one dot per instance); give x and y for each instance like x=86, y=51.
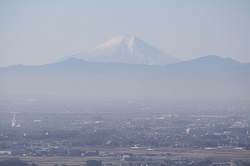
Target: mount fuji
x=125, y=49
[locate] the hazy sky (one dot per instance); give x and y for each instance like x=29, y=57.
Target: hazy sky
x=42, y=31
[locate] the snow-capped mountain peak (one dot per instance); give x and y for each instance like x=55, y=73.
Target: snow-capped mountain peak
x=126, y=49
x=121, y=39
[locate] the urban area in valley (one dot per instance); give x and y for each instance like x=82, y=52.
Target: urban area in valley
x=125, y=133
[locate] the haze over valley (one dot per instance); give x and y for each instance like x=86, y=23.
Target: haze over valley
x=127, y=68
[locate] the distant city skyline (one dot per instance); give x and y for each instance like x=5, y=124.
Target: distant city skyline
x=43, y=31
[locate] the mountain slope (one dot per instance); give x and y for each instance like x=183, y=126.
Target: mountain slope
x=126, y=49
x=210, y=64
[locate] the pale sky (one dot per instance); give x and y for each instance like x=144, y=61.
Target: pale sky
x=43, y=31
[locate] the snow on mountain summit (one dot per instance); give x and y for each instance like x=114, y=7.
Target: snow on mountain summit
x=127, y=40
x=126, y=49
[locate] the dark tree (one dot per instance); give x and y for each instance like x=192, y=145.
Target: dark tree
x=13, y=162
x=93, y=163
x=205, y=162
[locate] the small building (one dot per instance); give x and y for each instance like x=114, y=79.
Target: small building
x=5, y=152
x=124, y=157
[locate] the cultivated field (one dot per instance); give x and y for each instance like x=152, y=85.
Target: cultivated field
x=153, y=155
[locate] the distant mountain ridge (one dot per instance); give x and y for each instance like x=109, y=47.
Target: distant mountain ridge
x=126, y=49
x=206, y=78
x=210, y=62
